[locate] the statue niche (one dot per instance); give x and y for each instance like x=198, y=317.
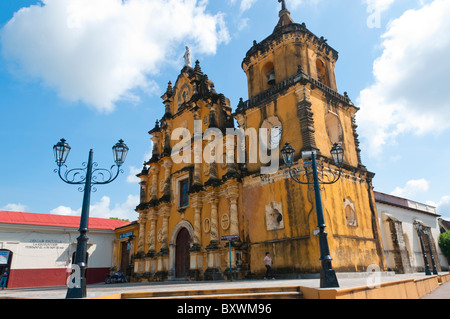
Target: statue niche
x=184, y=96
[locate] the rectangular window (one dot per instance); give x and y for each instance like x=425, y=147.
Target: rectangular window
x=184, y=193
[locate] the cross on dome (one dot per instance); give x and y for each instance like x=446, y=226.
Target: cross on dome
x=283, y=4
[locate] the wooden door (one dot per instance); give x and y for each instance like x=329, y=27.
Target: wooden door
x=182, y=258
x=125, y=259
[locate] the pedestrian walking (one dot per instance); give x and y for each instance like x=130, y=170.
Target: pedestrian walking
x=4, y=278
x=268, y=262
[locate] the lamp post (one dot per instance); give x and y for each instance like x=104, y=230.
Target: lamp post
x=420, y=231
x=328, y=277
x=87, y=176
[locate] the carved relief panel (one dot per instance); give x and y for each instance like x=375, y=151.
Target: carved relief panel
x=274, y=216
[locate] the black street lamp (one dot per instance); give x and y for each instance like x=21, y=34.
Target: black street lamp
x=418, y=227
x=328, y=277
x=86, y=176
x=421, y=231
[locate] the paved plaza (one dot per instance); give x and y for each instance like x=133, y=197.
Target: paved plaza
x=98, y=290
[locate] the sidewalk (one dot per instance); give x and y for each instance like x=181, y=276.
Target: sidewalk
x=442, y=292
x=98, y=290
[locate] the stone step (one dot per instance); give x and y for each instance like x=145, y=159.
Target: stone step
x=292, y=292
x=262, y=295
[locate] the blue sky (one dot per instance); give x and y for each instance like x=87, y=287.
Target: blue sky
x=93, y=72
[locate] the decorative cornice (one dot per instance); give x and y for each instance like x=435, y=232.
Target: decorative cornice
x=285, y=85
x=282, y=32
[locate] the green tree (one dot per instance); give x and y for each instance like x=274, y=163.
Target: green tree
x=117, y=218
x=444, y=243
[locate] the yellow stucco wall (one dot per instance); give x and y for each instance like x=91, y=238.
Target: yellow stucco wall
x=295, y=247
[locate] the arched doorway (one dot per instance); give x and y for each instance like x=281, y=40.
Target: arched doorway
x=182, y=257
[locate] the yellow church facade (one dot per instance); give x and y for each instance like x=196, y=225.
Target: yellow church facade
x=214, y=174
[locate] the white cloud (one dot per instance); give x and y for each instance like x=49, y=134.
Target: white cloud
x=443, y=207
x=246, y=4
x=411, y=188
x=101, y=51
x=410, y=93
x=102, y=209
x=15, y=207
x=131, y=178
x=64, y=210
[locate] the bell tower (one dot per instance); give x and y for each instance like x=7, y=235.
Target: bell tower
x=290, y=45
x=292, y=91
x=291, y=80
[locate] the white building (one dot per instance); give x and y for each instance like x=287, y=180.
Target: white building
x=39, y=248
x=410, y=234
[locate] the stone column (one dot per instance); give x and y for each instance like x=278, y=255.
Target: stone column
x=233, y=195
x=230, y=156
x=142, y=221
x=213, y=170
x=167, y=170
x=213, y=271
x=154, y=192
x=214, y=232
x=143, y=193
x=196, y=251
x=197, y=204
x=156, y=139
x=152, y=217
x=165, y=230
x=213, y=176
x=139, y=262
x=163, y=255
x=167, y=149
x=198, y=145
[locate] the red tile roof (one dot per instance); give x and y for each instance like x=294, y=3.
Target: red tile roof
x=7, y=217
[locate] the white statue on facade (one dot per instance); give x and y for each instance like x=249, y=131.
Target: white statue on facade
x=187, y=57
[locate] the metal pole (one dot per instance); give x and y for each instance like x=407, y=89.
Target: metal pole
x=328, y=277
x=79, y=291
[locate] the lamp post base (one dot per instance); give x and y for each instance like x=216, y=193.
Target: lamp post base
x=328, y=278
x=77, y=292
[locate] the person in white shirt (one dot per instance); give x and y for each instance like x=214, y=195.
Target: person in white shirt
x=268, y=263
